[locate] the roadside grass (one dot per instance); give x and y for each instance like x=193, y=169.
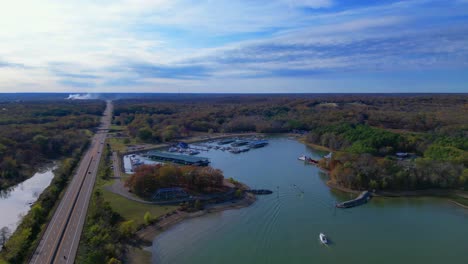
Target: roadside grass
x=459, y=199
x=131, y=210
x=88, y=132
x=137, y=256
x=117, y=128
x=117, y=144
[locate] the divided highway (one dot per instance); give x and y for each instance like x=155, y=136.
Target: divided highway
x=59, y=242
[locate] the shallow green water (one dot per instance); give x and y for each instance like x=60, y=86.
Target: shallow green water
x=284, y=227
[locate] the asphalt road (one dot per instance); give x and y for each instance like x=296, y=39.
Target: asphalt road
x=60, y=241
x=116, y=165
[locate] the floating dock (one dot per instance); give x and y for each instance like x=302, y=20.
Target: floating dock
x=239, y=143
x=361, y=199
x=226, y=141
x=180, y=159
x=259, y=192
x=258, y=143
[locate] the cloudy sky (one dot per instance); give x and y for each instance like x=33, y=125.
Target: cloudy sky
x=234, y=46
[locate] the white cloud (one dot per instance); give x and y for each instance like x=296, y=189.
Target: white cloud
x=61, y=40
x=310, y=3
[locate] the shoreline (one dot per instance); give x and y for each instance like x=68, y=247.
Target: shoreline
x=139, y=253
x=314, y=146
x=440, y=193
x=417, y=193
x=142, y=252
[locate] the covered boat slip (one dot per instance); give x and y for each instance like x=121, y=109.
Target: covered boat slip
x=181, y=159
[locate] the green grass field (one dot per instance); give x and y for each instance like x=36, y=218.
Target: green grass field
x=117, y=144
x=138, y=256
x=131, y=210
x=459, y=199
x=117, y=128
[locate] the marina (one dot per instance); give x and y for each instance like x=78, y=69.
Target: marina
x=284, y=227
x=187, y=154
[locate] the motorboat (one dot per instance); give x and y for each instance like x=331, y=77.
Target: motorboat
x=193, y=152
x=173, y=149
x=235, y=150
x=323, y=238
x=308, y=159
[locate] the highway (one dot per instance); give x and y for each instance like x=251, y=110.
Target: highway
x=60, y=240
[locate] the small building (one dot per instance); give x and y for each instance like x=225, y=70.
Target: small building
x=402, y=155
x=174, y=193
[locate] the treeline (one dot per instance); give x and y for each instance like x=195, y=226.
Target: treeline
x=159, y=120
x=147, y=179
x=366, y=129
x=364, y=171
x=34, y=132
x=365, y=158
x=21, y=245
x=361, y=139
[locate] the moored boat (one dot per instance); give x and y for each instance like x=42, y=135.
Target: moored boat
x=323, y=238
x=307, y=159
x=235, y=150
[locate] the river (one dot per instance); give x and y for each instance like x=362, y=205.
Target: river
x=284, y=227
x=16, y=201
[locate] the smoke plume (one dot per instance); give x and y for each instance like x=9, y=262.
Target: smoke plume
x=80, y=96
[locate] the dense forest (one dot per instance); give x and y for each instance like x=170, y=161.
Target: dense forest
x=35, y=132
x=365, y=132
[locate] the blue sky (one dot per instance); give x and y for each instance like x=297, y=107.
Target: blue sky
x=234, y=46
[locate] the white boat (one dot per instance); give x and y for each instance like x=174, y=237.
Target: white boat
x=323, y=238
x=303, y=158
x=173, y=149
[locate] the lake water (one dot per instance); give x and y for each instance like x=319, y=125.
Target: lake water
x=284, y=227
x=16, y=201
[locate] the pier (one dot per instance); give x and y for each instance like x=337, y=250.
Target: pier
x=259, y=191
x=361, y=199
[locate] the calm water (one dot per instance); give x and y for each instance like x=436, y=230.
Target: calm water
x=284, y=227
x=16, y=201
